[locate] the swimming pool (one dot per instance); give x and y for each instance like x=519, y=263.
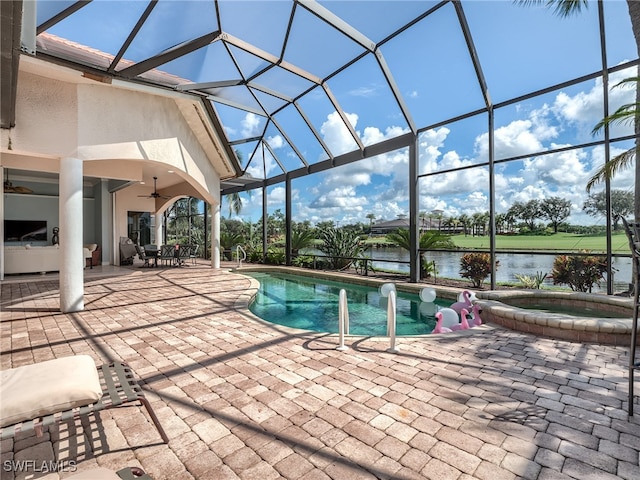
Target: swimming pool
x=312, y=304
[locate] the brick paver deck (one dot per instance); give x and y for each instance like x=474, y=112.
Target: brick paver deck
x=241, y=398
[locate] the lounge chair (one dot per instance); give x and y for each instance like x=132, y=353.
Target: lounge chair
x=42, y=394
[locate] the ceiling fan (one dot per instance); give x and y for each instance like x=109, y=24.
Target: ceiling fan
x=155, y=193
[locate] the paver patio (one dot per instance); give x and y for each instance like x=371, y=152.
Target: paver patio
x=241, y=398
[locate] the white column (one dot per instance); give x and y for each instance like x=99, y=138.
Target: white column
x=215, y=236
x=71, y=256
x=159, y=230
x=106, y=224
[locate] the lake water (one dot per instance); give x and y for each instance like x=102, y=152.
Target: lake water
x=448, y=265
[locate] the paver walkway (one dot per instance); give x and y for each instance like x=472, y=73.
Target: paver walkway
x=240, y=398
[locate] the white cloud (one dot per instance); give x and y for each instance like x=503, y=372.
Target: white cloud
x=256, y=168
x=518, y=138
x=585, y=108
x=380, y=185
x=276, y=196
x=337, y=189
x=275, y=142
x=336, y=134
x=561, y=168
x=250, y=125
x=364, y=91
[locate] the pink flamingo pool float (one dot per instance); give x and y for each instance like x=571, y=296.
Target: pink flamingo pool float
x=439, y=327
x=465, y=303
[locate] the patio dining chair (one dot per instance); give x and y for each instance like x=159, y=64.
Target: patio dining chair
x=184, y=253
x=193, y=254
x=167, y=254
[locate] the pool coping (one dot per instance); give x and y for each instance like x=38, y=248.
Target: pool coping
x=609, y=331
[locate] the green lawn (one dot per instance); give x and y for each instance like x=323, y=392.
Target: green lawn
x=558, y=241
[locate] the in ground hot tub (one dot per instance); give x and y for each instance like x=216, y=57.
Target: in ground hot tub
x=583, y=317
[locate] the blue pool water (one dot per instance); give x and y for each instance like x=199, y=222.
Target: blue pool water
x=312, y=304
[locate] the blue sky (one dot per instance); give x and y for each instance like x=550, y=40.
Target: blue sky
x=521, y=50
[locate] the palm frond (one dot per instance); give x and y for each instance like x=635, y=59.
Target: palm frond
x=235, y=203
x=562, y=8
x=625, y=115
x=612, y=167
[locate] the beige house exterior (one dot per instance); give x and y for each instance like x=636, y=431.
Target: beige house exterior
x=77, y=125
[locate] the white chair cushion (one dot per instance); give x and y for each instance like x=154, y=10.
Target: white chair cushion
x=47, y=387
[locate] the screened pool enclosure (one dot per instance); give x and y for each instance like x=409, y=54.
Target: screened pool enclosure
x=365, y=111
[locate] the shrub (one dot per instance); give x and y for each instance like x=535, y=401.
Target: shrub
x=580, y=272
x=304, y=261
x=533, y=282
x=341, y=246
x=428, y=268
x=476, y=267
x=275, y=256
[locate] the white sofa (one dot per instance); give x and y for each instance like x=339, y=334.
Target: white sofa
x=32, y=259
x=26, y=259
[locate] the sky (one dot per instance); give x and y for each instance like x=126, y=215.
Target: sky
x=520, y=49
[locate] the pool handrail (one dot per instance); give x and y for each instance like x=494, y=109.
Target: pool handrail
x=244, y=254
x=391, y=321
x=343, y=319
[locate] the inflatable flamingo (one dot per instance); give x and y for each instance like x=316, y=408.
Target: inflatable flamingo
x=439, y=328
x=464, y=323
x=476, y=320
x=466, y=294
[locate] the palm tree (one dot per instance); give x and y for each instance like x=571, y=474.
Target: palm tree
x=371, y=217
x=234, y=199
x=235, y=203
x=429, y=240
x=300, y=239
x=465, y=221
x=228, y=241
x=626, y=114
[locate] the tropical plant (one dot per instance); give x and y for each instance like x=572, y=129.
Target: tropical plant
x=341, y=246
x=532, y=281
x=429, y=240
x=275, y=256
x=628, y=114
x=476, y=267
x=580, y=272
x=228, y=241
x=371, y=217
x=235, y=203
x=465, y=221
x=301, y=239
x=428, y=268
x=304, y=261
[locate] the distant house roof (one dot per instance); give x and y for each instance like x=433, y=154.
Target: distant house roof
x=392, y=225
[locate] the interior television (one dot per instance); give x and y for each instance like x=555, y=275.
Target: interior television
x=25, y=230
